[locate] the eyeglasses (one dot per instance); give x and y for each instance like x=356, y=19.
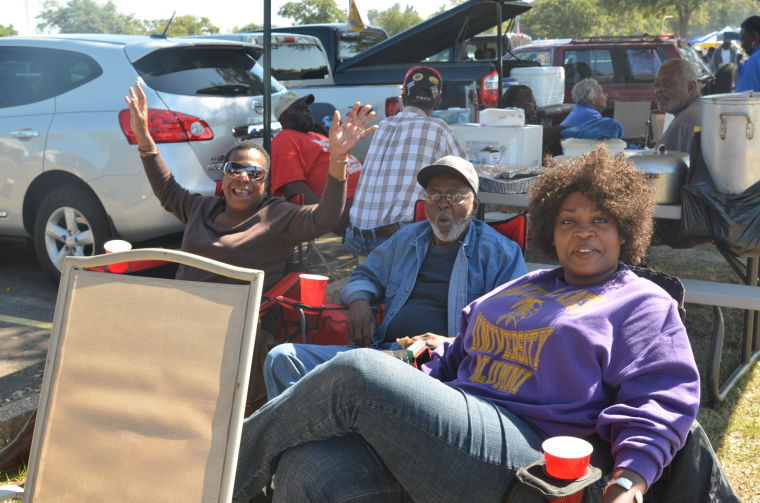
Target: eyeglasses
x=254, y=173
x=452, y=199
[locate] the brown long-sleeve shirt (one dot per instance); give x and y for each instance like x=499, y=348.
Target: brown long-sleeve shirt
x=264, y=241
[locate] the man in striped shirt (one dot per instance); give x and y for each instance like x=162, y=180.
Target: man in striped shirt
x=406, y=142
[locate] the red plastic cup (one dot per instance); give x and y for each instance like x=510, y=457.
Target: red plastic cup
x=114, y=246
x=567, y=458
x=573, y=498
x=313, y=287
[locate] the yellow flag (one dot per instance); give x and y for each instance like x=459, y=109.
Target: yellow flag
x=354, y=18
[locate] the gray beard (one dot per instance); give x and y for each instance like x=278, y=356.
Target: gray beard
x=457, y=229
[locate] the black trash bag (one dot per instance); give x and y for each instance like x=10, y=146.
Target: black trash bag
x=732, y=221
x=679, y=234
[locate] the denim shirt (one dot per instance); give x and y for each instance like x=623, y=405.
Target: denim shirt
x=485, y=260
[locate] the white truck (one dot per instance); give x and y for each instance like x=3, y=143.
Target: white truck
x=301, y=63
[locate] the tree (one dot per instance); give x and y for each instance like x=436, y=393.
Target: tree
x=584, y=18
x=561, y=19
x=445, y=7
x=312, y=11
x=722, y=13
x=393, y=20
x=86, y=16
x=182, y=26
x=685, y=10
x=7, y=31
x=248, y=27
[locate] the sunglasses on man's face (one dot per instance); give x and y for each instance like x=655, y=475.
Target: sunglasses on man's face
x=254, y=173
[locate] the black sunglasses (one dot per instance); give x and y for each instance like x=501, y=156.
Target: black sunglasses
x=254, y=173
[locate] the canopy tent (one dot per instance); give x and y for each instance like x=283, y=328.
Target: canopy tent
x=716, y=37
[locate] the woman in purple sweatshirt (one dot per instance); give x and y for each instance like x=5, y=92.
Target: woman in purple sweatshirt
x=588, y=349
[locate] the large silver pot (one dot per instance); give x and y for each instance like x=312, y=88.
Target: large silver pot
x=665, y=171
x=731, y=140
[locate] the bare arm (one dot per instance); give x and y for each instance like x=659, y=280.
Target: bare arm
x=616, y=494
x=361, y=323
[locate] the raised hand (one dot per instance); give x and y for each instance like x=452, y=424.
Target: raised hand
x=345, y=135
x=138, y=114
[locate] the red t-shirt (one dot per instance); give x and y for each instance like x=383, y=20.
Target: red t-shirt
x=306, y=156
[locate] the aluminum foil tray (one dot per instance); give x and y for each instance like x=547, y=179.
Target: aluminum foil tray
x=519, y=186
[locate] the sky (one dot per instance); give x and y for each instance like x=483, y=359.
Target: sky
x=226, y=14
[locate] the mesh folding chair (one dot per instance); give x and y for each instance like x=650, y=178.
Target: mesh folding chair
x=145, y=383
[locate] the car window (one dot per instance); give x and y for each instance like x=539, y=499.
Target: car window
x=541, y=56
x=218, y=71
x=439, y=57
x=352, y=43
x=642, y=63
x=73, y=70
x=297, y=61
x=588, y=63
x=21, y=72
x=689, y=54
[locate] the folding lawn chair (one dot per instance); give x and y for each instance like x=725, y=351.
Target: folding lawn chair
x=145, y=384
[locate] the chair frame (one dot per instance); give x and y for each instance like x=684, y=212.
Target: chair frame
x=254, y=277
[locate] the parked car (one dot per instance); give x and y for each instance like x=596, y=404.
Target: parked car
x=467, y=83
x=71, y=176
x=624, y=66
x=301, y=63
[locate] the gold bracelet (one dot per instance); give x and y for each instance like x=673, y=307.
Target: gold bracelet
x=344, y=161
x=149, y=148
x=148, y=153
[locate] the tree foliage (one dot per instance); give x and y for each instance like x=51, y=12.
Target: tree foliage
x=312, y=11
x=182, y=26
x=248, y=27
x=684, y=11
x=585, y=18
x=86, y=16
x=393, y=19
x=7, y=31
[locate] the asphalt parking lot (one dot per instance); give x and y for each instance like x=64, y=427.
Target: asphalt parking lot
x=27, y=303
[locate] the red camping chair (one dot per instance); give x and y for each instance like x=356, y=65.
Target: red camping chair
x=515, y=228
x=287, y=319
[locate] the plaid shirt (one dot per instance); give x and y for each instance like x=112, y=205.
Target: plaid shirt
x=403, y=145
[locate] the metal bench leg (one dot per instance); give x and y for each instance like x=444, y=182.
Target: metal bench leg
x=713, y=368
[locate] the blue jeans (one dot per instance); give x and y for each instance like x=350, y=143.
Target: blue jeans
x=359, y=245
x=287, y=363
x=421, y=440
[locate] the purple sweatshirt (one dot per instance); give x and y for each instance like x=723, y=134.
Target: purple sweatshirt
x=612, y=359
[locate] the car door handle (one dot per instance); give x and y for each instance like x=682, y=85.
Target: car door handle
x=25, y=133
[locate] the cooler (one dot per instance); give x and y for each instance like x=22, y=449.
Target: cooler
x=546, y=82
x=501, y=146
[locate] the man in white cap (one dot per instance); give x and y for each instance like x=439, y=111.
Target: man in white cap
x=406, y=142
x=301, y=156
x=425, y=274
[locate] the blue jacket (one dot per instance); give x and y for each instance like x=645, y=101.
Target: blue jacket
x=485, y=260
x=749, y=76
x=579, y=114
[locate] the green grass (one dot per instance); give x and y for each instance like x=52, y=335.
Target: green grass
x=17, y=479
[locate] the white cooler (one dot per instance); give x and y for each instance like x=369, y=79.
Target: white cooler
x=546, y=82
x=501, y=146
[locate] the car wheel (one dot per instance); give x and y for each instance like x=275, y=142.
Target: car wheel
x=69, y=222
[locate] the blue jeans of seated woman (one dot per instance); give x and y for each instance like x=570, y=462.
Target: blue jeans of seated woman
x=435, y=442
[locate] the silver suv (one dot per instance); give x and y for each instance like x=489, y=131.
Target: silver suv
x=70, y=176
